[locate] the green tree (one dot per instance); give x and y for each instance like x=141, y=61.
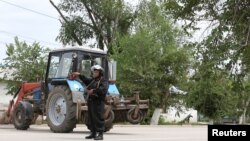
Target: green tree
x=227, y=46
x=150, y=59
x=102, y=20
x=23, y=63
x=210, y=92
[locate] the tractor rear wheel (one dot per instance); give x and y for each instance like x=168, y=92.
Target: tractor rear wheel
x=22, y=116
x=60, y=110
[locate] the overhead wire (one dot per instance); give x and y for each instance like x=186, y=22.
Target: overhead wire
x=4, y=43
x=23, y=37
x=31, y=10
x=30, y=38
x=26, y=37
x=27, y=41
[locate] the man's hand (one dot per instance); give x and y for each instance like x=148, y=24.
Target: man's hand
x=73, y=75
x=90, y=92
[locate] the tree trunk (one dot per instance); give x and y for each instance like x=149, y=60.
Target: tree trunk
x=165, y=101
x=156, y=116
x=211, y=121
x=242, y=119
x=79, y=42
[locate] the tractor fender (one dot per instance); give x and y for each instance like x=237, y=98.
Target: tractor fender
x=77, y=89
x=112, y=90
x=28, y=110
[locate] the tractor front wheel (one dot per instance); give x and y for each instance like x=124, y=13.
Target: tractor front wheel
x=22, y=116
x=60, y=110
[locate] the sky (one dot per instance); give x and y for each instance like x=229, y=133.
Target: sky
x=28, y=25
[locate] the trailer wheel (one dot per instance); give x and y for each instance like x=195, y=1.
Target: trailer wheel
x=110, y=118
x=109, y=121
x=22, y=116
x=108, y=127
x=60, y=110
x=132, y=119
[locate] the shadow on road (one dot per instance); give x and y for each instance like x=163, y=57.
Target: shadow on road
x=108, y=133
x=12, y=128
x=9, y=127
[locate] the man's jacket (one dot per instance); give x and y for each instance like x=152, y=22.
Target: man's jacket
x=100, y=86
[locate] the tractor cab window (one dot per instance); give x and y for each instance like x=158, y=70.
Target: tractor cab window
x=54, y=64
x=60, y=65
x=87, y=61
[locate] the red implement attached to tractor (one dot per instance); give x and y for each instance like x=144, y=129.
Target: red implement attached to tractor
x=20, y=107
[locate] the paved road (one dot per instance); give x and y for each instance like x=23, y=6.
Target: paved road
x=118, y=133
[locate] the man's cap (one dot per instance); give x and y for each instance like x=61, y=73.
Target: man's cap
x=96, y=67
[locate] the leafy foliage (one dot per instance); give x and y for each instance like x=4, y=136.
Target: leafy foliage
x=101, y=20
x=150, y=60
x=223, y=54
x=23, y=63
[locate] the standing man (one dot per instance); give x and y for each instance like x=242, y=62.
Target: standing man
x=97, y=88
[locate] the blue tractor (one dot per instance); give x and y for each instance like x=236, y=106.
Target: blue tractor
x=66, y=101
x=61, y=96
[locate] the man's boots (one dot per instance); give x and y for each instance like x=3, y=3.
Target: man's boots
x=91, y=136
x=99, y=136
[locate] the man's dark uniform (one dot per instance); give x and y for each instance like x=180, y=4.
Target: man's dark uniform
x=96, y=103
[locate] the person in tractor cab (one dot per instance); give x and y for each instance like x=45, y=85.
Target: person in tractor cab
x=97, y=88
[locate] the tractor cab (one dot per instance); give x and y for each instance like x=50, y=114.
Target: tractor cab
x=63, y=62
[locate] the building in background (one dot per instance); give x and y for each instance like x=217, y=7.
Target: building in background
x=4, y=99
